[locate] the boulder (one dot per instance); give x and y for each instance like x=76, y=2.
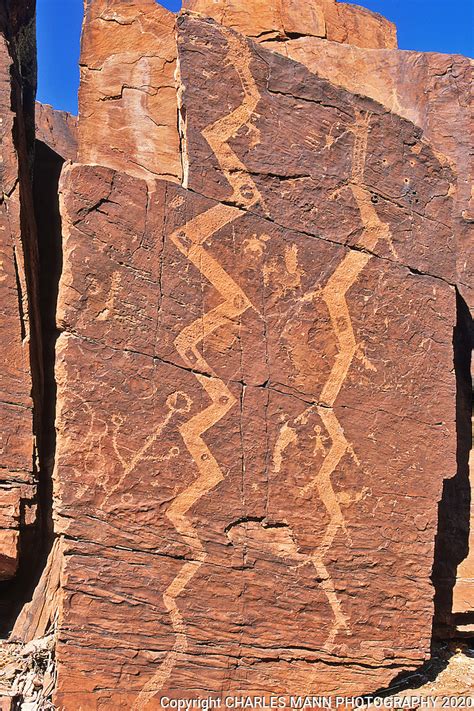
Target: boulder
x=246, y=354
x=231, y=335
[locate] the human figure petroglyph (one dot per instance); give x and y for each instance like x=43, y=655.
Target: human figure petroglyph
x=334, y=294
x=176, y=404
x=331, y=500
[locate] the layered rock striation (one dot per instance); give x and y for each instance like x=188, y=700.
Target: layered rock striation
x=21, y=385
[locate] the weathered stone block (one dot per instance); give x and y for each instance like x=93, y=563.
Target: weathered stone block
x=246, y=454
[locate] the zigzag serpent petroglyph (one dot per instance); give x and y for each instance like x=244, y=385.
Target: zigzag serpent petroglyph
x=334, y=295
x=217, y=135
x=189, y=240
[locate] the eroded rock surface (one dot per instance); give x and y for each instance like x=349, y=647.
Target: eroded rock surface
x=256, y=408
x=243, y=355
x=57, y=130
x=127, y=94
x=18, y=261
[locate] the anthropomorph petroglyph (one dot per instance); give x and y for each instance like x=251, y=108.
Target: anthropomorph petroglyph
x=190, y=241
x=334, y=295
x=176, y=403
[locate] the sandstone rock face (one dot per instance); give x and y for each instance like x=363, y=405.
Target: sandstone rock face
x=282, y=180
x=257, y=418
x=432, y=90
x=336, y=21
x=237, y=406
x=119, y=105
x=127, y=94
x=18, y=335
x=57, y=130
x=244, y=354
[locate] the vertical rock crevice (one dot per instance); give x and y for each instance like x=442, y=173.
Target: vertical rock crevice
x=29, y=586
x=454, y=510
x=27, y=652
x=36, y=541
x=17, y=25
x=30, y=597
x=181, y=124
x=48, y=166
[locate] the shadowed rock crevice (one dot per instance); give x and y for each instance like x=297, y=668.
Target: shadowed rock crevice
x=48, y=165
x=36, y=541
x=17, y=148
x=452, y=539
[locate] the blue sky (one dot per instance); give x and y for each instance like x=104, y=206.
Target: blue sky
x=426, y=25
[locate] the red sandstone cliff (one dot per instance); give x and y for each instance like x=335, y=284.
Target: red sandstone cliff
x=21, y=385
x=244, y=300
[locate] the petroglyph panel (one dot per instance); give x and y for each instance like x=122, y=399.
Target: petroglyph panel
x=240, y=438
x=306, y=146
